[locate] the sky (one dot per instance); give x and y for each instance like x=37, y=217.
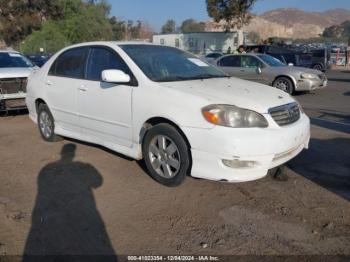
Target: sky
x=157, y=12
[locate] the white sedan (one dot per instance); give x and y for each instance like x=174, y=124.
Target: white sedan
x=158, y=103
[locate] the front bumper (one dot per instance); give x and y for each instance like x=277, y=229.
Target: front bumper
x=266, y=148
x=310, y=84
x=10, y=102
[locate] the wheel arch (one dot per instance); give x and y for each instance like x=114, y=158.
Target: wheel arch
x=147, y=125
x=160, y=120
x=38, y=102
x=289, y=77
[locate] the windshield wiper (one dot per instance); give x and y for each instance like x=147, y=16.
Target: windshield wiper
x=171, y=79
x=208, y=76
x=182, y=78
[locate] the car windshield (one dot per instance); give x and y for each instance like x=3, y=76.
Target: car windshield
x=271, y=61
x=14, y=60
x=166, y=64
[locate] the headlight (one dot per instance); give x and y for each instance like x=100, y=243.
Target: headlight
x=300, y=107
x=309, y=76
x=232, y=116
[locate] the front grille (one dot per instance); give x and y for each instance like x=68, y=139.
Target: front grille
x=13, y=85
x=286, y=114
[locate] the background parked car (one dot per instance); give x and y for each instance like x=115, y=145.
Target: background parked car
x=212, y=57
x=268, y=70
x=38, y=60
x=320, y=59
x=14, y=71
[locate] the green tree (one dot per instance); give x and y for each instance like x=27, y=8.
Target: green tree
x=50, y=38
x=21, y=18
x=236, y=13
x=254, y=37
x=118, y=28
x=89, y=24
x=169, y=27
x=82, y=22
x=191, y=25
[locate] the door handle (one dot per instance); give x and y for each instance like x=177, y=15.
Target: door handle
x=48, y=83
x=82, y=88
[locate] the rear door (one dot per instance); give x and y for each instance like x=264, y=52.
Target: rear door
x=62, y=83
x=231, y=65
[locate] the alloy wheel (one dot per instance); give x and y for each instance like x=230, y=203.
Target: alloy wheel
x=164, y=156
x=45, y=124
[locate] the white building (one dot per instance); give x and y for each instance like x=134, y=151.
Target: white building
x=200, y=43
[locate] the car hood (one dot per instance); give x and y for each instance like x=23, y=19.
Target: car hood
x=295, y=70
x=14, y=72
x=234, y=91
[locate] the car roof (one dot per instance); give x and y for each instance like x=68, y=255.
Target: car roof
x=118, y=43
x=8, y=51
x=244, y=54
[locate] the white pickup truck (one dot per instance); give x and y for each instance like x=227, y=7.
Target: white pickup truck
x=14, y=71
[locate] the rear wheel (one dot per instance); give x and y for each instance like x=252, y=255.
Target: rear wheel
x=166, y=155
x=318, y=67
x=284, y=84
x=46, y=124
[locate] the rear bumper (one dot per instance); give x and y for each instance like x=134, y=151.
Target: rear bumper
x=253, y=151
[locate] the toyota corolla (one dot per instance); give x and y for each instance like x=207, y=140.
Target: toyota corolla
x=179, y=114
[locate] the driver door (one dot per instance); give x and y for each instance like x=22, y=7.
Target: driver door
x=105, y=108
x=252, y=69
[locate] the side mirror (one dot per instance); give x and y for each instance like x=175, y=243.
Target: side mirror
x=258, y=70
x=290, y=64
x=115, y=76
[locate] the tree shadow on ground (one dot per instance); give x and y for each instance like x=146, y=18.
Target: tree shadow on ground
x=327, y=164
x=66, y=224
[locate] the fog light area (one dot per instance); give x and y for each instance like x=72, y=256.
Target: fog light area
x=239, y=164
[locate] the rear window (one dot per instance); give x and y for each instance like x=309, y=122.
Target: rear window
x=70, y=64
x=230, y=61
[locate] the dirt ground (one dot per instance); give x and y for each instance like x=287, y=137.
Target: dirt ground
x=74, y=198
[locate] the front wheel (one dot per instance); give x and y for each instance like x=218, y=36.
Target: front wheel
x=46, y=124
x=166, y=155
x=284, y=84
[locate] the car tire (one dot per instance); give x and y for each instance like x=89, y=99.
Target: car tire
x=46, y=124
x=318, y=67
x=166, y=155
x=284, y=84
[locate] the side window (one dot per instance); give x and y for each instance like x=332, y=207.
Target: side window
x=251, y=62
x=102, y=59
x=70, y=64
x=230, y=61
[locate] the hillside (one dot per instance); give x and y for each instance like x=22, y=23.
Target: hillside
x=338, y=31
x=291, y=23
x=292, y=16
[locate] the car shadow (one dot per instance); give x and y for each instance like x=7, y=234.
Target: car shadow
x=13, y=113
x=66, y=224
x=339, y=79
x=327, y=164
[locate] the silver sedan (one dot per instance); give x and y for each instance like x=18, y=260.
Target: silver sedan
x=268, y=70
